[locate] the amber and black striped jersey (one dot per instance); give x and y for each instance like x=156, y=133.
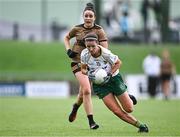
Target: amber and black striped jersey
x=79, y=33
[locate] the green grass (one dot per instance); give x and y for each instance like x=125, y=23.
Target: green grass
x=48, y=61
x=133, y=55
x=48, y=117
x=24, y=60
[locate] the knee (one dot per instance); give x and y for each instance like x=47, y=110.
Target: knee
x=129, y=109
x=86, y=91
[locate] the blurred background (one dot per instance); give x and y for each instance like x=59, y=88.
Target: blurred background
x=33, y=60
x=48, y=20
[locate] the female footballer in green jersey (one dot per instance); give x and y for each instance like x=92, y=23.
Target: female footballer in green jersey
x=113, y=91
x=79, y=31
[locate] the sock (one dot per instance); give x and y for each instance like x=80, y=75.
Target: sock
x=91, y=120
x=138, y=124
x=75, y=107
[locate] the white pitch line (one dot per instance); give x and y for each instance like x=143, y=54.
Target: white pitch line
x=90, y=136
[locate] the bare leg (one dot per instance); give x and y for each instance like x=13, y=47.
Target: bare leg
x=113, y=105
x=85, y=88
x=79, y=99
x=166, y=88
x=126, y=102
x=111, y=102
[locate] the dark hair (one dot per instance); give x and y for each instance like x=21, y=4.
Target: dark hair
x=90, y=6
x=91, y=36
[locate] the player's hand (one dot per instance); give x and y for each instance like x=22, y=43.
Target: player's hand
x=107, y=78
x=91, y=75
x=71, y=53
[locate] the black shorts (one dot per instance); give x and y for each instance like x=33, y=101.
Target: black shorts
x=76, y=67
x=165, y=77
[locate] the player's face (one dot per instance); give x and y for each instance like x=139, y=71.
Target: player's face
x=92, y=47
x=89, y=18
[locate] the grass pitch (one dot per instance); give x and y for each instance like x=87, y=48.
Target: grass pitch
x=21, y=61
x=49, y=117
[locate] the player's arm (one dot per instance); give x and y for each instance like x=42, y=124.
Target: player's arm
x=67, y=42
x=116, y=66
x=84, y=69
x=103, y=40
x=112, y=59
x=70, y=53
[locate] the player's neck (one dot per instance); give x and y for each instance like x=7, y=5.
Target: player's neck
x=88, y=26
x=98, y=53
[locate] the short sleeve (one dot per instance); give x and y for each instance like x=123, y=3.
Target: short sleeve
x=102, y=35
x=109, y=56
x=113, y=59
x=72, y=32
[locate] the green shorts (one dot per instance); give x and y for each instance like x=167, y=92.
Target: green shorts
x=115, y=85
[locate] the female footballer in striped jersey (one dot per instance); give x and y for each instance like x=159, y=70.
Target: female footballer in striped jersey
x=79, y=31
